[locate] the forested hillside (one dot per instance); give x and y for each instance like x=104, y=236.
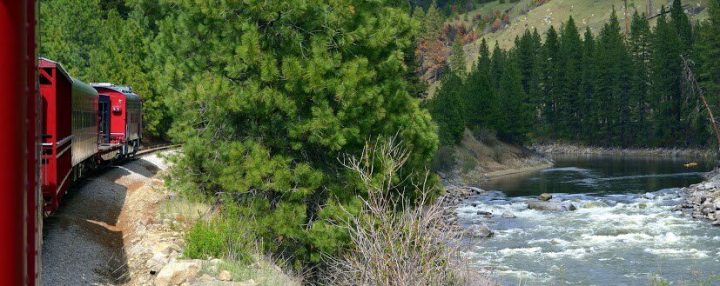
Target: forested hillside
x=605, y=88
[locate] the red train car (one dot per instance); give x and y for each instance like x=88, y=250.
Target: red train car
x=120, y=118
x=69, y=130
x=19, y=220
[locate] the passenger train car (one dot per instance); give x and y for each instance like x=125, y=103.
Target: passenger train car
x=83, y=126
x=49, y=139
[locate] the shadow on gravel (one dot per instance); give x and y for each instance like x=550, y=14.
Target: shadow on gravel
x=83, y=241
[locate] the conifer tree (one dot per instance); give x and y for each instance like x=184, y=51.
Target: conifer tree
x=526, y=58
x=497, y=65
x=480, y=100
x=516, y=120
x=569, y=89
x=708, y=53
x=484, y=61
x=640, y=50
x=666, y=82
x=550, y=76
x=680, y=21
x=268, y=99
x=591, y=107
x=613, y=85
x=448, y=110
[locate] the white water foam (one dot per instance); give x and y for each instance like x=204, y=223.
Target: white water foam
x=626, y=234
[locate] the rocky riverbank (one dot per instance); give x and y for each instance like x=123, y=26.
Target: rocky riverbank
x=702, y=201
x=556, y=149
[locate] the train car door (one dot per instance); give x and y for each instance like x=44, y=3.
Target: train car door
x=104, y=113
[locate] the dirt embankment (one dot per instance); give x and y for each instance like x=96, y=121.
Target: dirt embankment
x=479, y=159
x=83, y=243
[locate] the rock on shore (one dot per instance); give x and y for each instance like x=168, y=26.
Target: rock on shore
x=702, y=201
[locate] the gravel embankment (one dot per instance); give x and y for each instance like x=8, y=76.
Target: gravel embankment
x=702, y=201
x=83, y=242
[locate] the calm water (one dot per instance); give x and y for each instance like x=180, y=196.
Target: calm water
x=623, y=233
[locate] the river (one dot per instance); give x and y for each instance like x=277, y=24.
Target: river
x=624, y=231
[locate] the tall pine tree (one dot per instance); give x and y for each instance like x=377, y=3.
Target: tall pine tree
x=667, y=82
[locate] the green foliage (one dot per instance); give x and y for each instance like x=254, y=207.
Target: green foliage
x=448, y=110
x=267, y=99
x=228, y=235
x=203, y=241
x=68, y=31
x=105, y=41
x=707, y=51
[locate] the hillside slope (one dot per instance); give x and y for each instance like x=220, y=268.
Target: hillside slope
x=587, y=13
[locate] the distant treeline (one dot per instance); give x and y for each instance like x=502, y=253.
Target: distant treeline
x=605, y=89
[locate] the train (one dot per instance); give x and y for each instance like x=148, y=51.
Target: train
x=55, y=130
x=82, y=127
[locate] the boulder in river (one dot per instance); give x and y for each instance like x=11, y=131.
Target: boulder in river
x=551, y=206
x=544, y=197
x=484, y=213
x=508, y=215
x=480, y=231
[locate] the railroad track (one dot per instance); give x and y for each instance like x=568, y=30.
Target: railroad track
x=154, y=149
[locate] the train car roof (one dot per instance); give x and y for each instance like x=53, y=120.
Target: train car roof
x=125, y=90
x=47, y=63
x=82, y=86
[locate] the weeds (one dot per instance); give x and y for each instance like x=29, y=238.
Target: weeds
x=412, y=246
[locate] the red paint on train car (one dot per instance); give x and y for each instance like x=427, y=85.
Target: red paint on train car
x=56, y=91
x=34, y=196
x=14, y=93
x=125, y=117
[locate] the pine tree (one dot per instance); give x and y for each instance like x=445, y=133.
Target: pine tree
x=549, y=67
x=666, y=82
x=680, y=21
x=516, y=120
x=590, y=108
x=708, y=53
x=613, y=85
x=267, y=100
x=497, y=65
x=484, y=61
x=526, y=57
x=568, y=89
x=448, y=110
x=640, y=50
x=480, y=100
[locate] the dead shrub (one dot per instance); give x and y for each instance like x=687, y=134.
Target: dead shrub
x=394, y=241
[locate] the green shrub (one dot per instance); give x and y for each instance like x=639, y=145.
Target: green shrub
x=203, y=241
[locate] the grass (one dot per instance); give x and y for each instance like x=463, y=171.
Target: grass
x=184, y=211
x=263, y=271
x=215, y=234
